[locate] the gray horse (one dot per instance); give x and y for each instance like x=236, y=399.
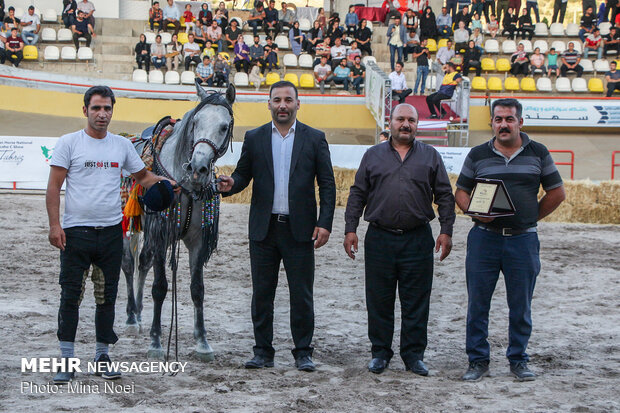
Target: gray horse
x=187, y=156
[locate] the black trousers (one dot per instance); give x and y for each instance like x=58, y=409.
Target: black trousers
x=19, y=56
x=520, y=69
x=144, y=59
x=564, y=69
x=403, y=262
x=401, y=95
x=298, y=258
x=76, y=41
x=190, y=59
x=472, y=64
x=104, y=249
x=2, y=56
x=559, y=10
x=611, y=88
x=488, y=5
x=434, y=101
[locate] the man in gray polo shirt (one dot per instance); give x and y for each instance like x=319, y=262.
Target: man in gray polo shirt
x=509, y=244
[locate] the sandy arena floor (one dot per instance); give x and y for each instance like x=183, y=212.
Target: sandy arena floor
x=575, y=346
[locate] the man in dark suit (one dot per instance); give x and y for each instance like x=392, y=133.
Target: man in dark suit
x=284, y=157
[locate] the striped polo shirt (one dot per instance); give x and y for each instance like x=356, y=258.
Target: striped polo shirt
x=523, y=173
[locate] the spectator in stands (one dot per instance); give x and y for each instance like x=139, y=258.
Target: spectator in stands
x=585, y=4
x=587, y=24
x=296, y=38
x=444, y=23
x=2, y=47
x=428, y=25
x=537, y=61
x=526, y=28
x=341, y=76
x=205, y=16
x=11, y=21
x=570, y=61
x=204, y=72
x=461, y=36
x=477, y=38
x=457, y=59
x=446, y=90
x=335, y=32
x=612, y=41
x=142, y=49
x=82, y=28
x=451, y=7
x=208, y=51
x=172, y=16
x=533, y=4
x=287, y=17
x=156, y=15
x=362, y=37
x=601, y=16
x=221, y=14
x=322, y=72
x=351, y=21
x=502, y=9
x=559, y=10
x=214, y=34
x=14, y=47
x=352, y=53
x=158, y=53
x=357, y=74
x=421, y=54
x=200, y=33
x=222, y=70
x=271, y=23
x=68, y=12
x=412, y=41
x=476, y=23
x=322, y=19
x=510, y=23
x=493, y=26
x=242, y=55
x=257, y=14
x=384, y=136
x=515, y=5
x=188, y=18
x=519, y=61
x=476, y=8
x=444, y=54
x=593, y=42
x=257, y=53
x=614, y=6
x=314, y=37
x=1, y=13
x=323, y=49
x=89, y=9
x=410, y=21
x=338, y=53
x=255, y=75
x=397, y=37
x=613, y=79
x=191, y=51
x=463, y=16
x=232, y=33
x=173, y=53
x=399, y=83
x=552, y=63
x=472, y=59
x=31, y=27
x=271, y=54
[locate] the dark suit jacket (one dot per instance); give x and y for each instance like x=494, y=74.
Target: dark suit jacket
x=310, y=159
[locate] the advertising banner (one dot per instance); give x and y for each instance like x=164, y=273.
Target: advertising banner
x=571, y=112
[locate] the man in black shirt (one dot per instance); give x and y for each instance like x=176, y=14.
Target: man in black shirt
x=82, y=28
x=612, y=41
x=421, y=54
x=463, y=16
x=271, y=22
x=232, y=34
x=396, y=184
x=357, y=74
x=586, y=24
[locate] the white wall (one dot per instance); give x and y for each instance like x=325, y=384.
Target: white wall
x=104, y=8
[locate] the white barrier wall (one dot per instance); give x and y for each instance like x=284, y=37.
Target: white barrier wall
x=103, y=8
x=24, y=161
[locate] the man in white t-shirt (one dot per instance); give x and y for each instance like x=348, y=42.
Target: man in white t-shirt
x=321, y=72
x=399, y=83
x=191, y=52
x=338, y=52
x=31, y=25
x=90, y=162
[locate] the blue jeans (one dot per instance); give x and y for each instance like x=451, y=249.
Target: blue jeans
x=444, y=31
x=157, y=62
x=393, y=50
x=582, y=35
x=30, y=38
x=357, y=84
x=533, y=5
x=254, y=25
x=421, y=73
x=339, y=81
x=598, y=50
x=517, y=257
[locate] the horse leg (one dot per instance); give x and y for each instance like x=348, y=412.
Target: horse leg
x=127, y=266
x=203, y=350
x=144, y=266
x=160, y=288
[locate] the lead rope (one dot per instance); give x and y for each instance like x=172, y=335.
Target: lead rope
x=174, y=322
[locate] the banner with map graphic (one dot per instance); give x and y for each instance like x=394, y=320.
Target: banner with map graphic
x=25, y=161
x=571, y=112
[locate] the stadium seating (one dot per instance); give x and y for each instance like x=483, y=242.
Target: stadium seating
x=31, y=52
x=272, y=78
x=139, y=75
x=188, y=78
x=431, y=83
x=85, y=53
x=488, y=65
x=49, y=16
x=431, y=45
x=595, y=85
x=604, y=28
x=572, y=29
x=182, y=37
x=369, y=25
x=528, y=84
x=305, y=60
x=51, y=53
x=166, y=37
x=527, y=46
x=587, y=65
x=68, y=53
x=559, y=46
x=495, y=84
x=306, y=80
x=241, y=79
x=540, y=29
x=543, y=84
x=150, y=37
x=442, y=43
x=491, y=46
x=509, y=47
x=577, y=45
x=502, y=65
x=282, y=42
x=292, y=77
x=556, y=29
x=239, y=21
x=289, y=60
x=479, y=83
x=542, y=45
x=367, y=59
x=48, y=34
x=304, y=25
x=172, y=77
x=579, y=85
x=511, y=84
x=156, y=76
x=64, y=35
x=601, y=66
x=562, y=84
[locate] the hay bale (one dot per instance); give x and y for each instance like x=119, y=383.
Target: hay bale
x=609, y=193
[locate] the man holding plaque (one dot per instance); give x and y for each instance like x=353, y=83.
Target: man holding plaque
x=507, y=240
x=396, y=184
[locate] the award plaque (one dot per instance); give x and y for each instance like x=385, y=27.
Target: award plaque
x=490, y=199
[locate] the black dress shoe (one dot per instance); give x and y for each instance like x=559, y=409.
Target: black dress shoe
x=418, y=368
x=477, y=370
x=304, y=363
x=377, y=365
x=258, y=362
x=520, y=370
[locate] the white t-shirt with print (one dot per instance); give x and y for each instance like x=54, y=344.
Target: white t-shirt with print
x=92, y=195
x=33, y=20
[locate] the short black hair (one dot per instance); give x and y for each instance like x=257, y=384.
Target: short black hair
x=400, y=63
x=385, y=133
x=155, y=2
x=507, y=103
x=11, y=8
x=103, y=91
x=282, y=84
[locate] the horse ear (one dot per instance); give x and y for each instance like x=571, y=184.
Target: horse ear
x=231, y=93
x=200, y=91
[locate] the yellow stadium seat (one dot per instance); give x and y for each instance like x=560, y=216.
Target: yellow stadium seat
x=479, y=83
x=595, y=85
x=511, y=84
x=502, y=65
x=442, y=43
x=495, y=84
x=182, y=37
x=528, y=84
x=431, y=45
x=306, y=80
x=225, y=55
x=272, y=78
x=292, y=77
x=31, y=53
x=488, y=64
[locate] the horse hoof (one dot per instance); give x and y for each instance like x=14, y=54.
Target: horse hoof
x=156, y=354
x=204, y=356
x=132, y=329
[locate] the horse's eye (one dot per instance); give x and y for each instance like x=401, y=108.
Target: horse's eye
x=224, y=128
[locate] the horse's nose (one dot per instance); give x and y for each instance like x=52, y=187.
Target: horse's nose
x=203, y=170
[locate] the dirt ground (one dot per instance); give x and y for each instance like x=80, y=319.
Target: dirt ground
x=575, y=346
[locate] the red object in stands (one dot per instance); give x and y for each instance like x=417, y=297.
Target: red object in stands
x=571, y=163
x=373, y=14
x=613, y=163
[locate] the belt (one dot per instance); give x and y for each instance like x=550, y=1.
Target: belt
x=280, y=218
x=507, y=232
x=396, y=231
